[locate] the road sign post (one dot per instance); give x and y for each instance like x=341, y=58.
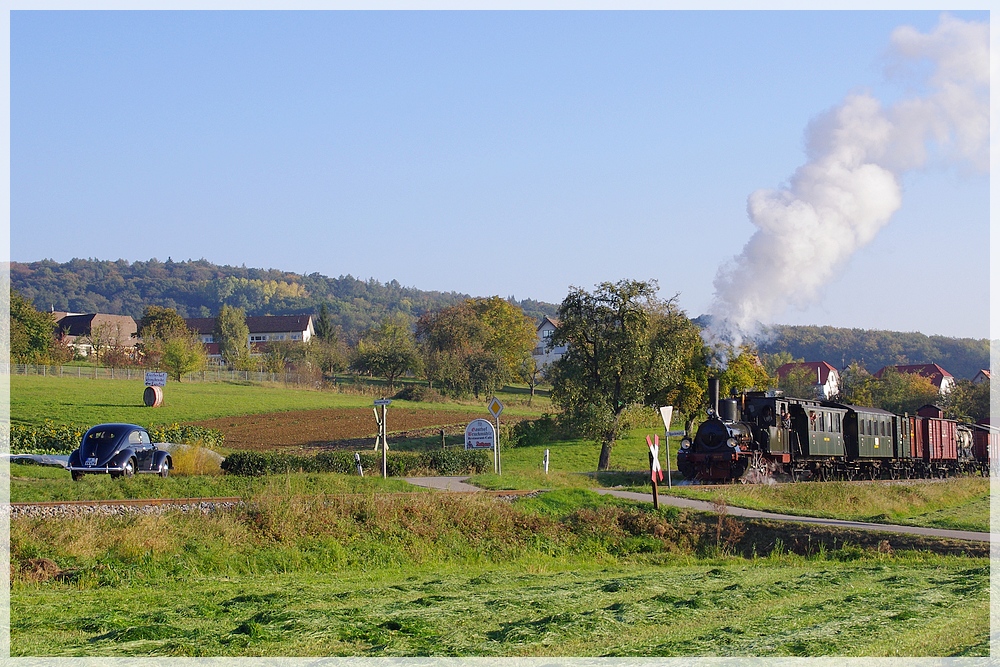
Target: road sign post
x=383, y=432
x=495, y=407
x=666, y=413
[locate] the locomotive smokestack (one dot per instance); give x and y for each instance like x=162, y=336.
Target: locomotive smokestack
x=713, y=394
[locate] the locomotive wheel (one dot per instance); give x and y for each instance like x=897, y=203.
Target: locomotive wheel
x=850, y=474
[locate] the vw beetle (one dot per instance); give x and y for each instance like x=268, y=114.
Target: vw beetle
x=121, y=450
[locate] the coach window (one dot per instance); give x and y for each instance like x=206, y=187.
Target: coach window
x=837, y=424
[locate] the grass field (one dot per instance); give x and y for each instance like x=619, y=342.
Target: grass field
x=569, y=574
x=71, y=400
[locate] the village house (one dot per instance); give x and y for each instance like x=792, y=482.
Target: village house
x=87, y=332
x=264, y=329
x=544, y=354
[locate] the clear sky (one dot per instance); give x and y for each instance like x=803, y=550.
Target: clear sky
x=510, y=153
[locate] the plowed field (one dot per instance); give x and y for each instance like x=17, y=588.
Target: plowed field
x=307, y=429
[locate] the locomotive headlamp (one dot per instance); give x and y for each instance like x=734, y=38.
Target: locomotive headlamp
x=732, y=443
x=685, y=444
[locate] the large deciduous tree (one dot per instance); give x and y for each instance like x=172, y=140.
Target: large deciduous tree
x=168, y=343
x=476, y=345
x=387, y=350
x=626, y=348
x=32, y=337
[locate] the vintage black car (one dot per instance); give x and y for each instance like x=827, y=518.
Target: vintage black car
x=121, y=450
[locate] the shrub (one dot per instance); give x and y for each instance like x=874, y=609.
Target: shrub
x=530, y=433
x=419, y=393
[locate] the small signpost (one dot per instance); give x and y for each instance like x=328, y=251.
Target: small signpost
x=495, y=407
x=382, y=434
x=666, y=413
x=654, y=466
x=152, y=395
x=480, y=434
x=546, y=461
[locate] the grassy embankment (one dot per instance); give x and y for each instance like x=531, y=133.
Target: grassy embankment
x=567, y=573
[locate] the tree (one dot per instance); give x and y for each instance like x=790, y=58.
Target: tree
x=31, y=332
x=182, y=353
x=387, y=350
x=476, y=345
x=799, y=382
x=968, y=401
x=903, y=392
x=532, y=373
x=161, y=323
x=857, y=386
x=232, y=335
x=324, y=328
x=744, y=371
x=625, y=348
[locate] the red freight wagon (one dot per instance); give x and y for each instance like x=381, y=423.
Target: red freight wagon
x=940, y=435
x=985, y=444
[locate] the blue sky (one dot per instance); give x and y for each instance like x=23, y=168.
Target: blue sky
x=511, y=153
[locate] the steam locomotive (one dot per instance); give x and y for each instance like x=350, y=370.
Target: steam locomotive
x=763, y=434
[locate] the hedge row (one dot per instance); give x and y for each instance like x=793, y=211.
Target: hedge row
x=398, y=464
x=530, y=433
x=51, y=438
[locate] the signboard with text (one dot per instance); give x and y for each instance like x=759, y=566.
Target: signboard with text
x=154, y=379
x=480, y=434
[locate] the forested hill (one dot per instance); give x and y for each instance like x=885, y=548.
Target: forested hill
x=199, y=288
x=962, y=357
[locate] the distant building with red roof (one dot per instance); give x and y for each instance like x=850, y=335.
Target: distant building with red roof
x=827, y=379
x=981, y=377
x=939, y=377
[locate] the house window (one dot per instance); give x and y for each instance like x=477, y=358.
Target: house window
x=258, y=338
x=296, y=336
x=547, y=333
x=278, y=337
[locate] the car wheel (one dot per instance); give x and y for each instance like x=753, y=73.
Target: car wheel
x=129, y=469
x=77, y=476
x=165, y=468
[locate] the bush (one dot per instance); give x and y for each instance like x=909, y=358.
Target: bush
x=419, y=393
x=398, y=464
x=531, y=433
x=50, y=438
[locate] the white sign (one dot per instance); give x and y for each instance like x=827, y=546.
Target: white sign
x=383, y=401
x=480, y=434
x=495, y=407
x=154, y=379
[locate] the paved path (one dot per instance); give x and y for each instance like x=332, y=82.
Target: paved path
x=459, y=484
x=705, y=506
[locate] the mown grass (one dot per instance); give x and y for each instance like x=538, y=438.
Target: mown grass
x=960, y=503
x=567, y=573
x=72, y=400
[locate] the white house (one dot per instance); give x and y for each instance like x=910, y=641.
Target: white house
x=827, y=379
x=263, y=330
x=544, y=353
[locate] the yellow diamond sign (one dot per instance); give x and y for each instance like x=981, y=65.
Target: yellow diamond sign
x=495, y=407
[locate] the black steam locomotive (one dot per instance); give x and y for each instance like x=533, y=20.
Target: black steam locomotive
x=758, y=435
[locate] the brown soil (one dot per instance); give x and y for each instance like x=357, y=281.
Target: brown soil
x=332, y=428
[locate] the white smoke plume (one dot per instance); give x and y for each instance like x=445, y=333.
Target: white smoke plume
x=850, y=186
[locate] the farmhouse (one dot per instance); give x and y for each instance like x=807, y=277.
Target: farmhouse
x=939, y=377
x=827, y=379
x=263, y=330
x=544, y=353
x=87, y=332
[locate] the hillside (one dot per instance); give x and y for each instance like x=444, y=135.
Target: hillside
x=198, y=288
x=962, y=357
